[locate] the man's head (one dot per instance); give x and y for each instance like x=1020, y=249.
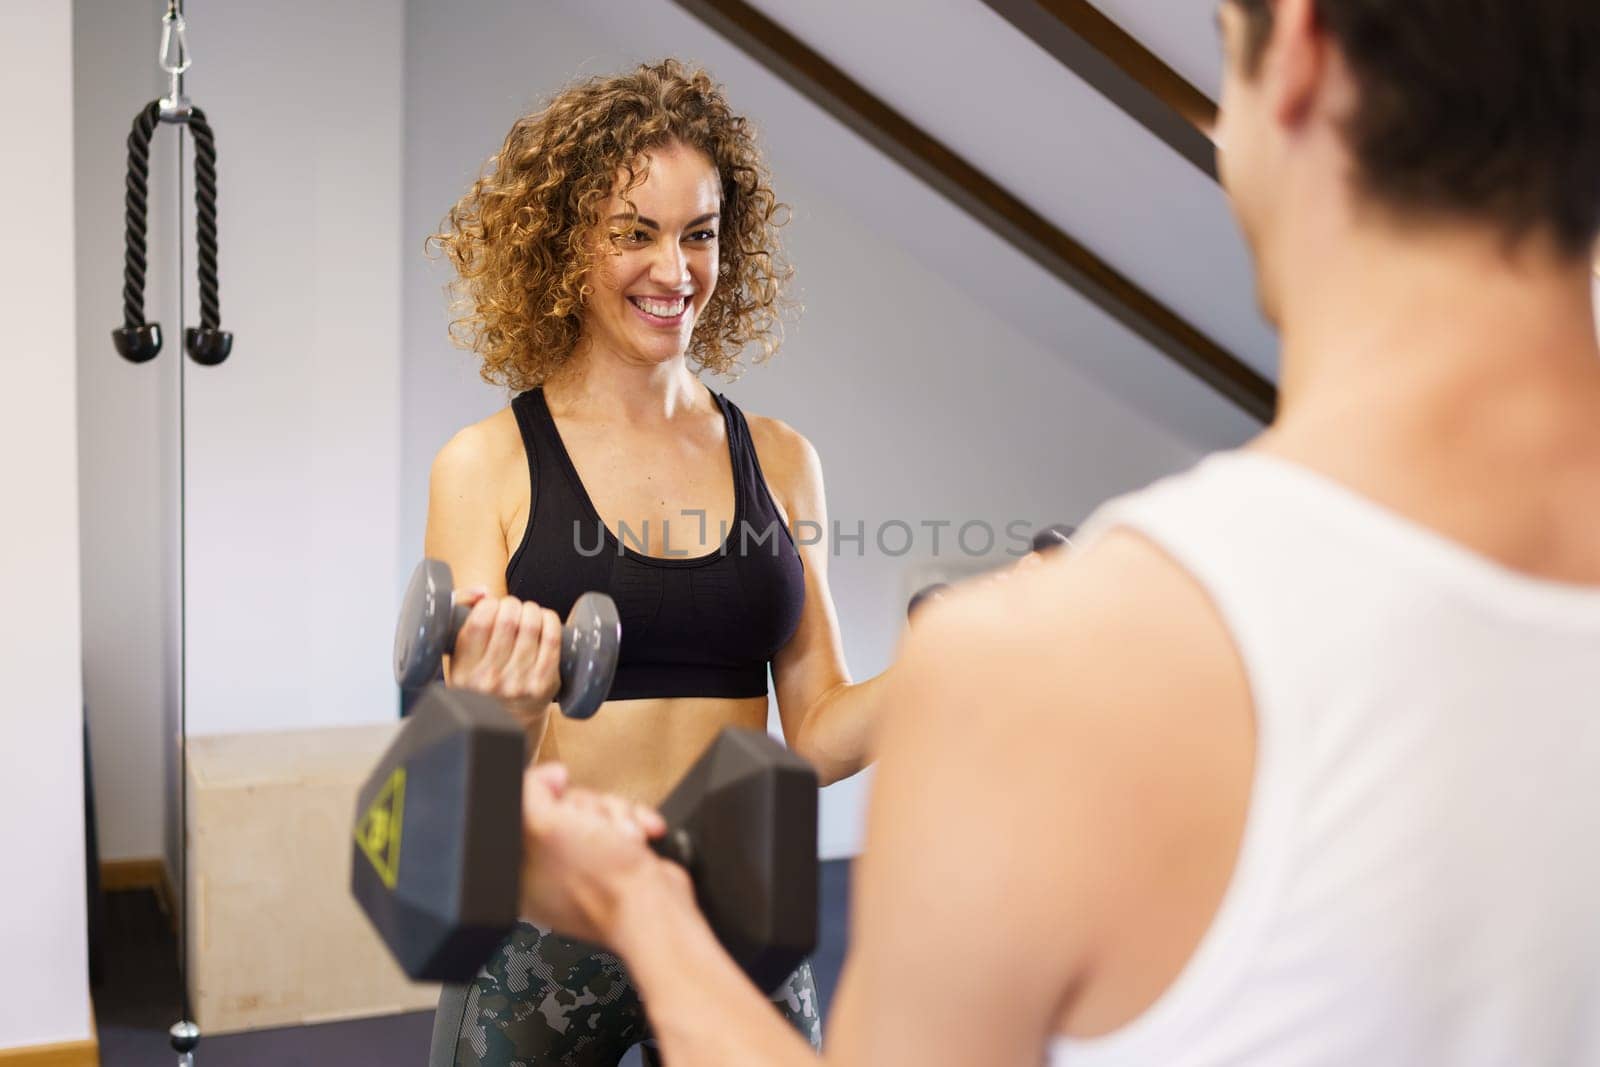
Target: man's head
x=1422, y=112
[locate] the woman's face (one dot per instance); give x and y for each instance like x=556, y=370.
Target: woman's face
x=659, y=276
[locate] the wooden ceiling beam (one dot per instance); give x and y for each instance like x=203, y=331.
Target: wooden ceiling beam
x=1122, y=70
x=970, y=189
x=1084, y=40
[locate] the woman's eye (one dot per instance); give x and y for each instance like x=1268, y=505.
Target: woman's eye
x=703, y=236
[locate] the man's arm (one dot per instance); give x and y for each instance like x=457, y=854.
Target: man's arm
x=702, y=1008
x=1061, y=792
x=1065, y=772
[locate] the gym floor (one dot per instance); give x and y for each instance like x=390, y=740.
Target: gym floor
x=136, y=999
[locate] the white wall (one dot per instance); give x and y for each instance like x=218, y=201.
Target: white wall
x=127, y=440
x=44, y=982
x=922, y=403
x=293, y=443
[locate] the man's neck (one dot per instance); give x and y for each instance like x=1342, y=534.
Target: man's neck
x=1376, y=309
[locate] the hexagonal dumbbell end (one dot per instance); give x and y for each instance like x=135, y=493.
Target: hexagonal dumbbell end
x=436, y=860
x=743, y=821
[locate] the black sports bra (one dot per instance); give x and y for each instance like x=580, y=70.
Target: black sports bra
x=702, y=626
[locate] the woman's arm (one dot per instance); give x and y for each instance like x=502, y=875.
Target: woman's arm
x=506, y=647
x=826, y=718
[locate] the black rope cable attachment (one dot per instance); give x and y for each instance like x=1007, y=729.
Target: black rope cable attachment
x=139, y=341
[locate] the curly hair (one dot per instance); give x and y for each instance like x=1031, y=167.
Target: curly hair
x=522, y=239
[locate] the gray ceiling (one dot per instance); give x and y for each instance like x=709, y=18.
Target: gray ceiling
x=1183, y=33
x=967, y=77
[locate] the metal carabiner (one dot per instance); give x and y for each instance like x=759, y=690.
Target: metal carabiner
x=174, y=59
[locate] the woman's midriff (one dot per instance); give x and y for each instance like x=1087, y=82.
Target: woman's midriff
x=639, y=749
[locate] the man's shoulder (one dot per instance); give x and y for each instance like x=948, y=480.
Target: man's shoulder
x=1117, y=603
x=1095, y=703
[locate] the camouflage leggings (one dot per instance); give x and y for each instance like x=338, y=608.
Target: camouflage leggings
x=544, y=999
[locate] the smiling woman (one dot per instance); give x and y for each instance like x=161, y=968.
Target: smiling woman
x=622, y=243
x=524, y=238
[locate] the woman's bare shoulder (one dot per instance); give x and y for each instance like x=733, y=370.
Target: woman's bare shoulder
x=483, y=445
x=480, y=462
x=784, y=451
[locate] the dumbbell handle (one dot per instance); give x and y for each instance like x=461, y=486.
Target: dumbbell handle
x=675, y=846
x=431, y=620
x=458, y=619
x=570, y=636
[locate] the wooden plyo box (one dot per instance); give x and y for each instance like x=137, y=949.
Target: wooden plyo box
x=277, y=939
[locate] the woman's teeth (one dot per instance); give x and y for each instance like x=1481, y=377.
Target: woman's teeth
x=662, y=309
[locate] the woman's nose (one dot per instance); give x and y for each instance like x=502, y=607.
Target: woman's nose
x=669, y=266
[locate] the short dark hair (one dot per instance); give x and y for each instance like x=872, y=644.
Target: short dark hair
x=1485, y=109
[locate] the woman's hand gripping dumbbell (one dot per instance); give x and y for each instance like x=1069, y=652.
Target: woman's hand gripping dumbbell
x=585, y=647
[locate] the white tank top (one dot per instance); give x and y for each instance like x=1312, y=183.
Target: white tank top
x=1419, y=879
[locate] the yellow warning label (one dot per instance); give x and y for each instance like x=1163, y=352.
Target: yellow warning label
x=378, y=832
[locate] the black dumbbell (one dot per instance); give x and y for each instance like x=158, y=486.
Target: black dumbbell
x=926, y=593
x=591, y=639
x=1059, y=535
x=743, y=822
x=437, y=862
x=1048, y=539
